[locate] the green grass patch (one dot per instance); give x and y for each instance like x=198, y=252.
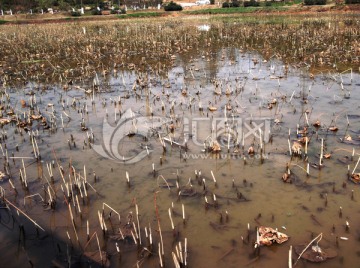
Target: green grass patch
x=258, y=19
x=275, y=8
x=282, y=3
x=141, y=15
x=264, y=6
x=229, y=10
x=66, y=18
x=234, y=10
x=3, y=22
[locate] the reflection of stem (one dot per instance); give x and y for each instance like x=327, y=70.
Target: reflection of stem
x=319, y=116
x=162, y=177
x=341, y=149
x=19, y=210
x=318, y=237
x=299, y=167
x=357, y=163
x=104, y=204
x=338, y=116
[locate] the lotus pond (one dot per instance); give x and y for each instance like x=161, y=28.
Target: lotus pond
x=171, y=143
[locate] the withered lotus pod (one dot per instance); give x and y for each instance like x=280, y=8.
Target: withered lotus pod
x=296, y=148
x=286, y=177
x=4, y=121
x=215, y=147
x=355, y=178
x=317, y=123
x=269, y=236
x=303, y=140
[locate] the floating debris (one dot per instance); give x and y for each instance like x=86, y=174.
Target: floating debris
x=333, y=128
x=296, y=148
x=315, y=253
x=269, y=236
x=3, y=176
x=215, y=147
x=317, y=124
x=355, y=178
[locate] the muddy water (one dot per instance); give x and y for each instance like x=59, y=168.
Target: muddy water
x=307, y=207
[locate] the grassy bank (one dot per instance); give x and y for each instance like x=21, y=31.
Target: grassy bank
x=142, y=15
x=266, y=7
x=234, y=10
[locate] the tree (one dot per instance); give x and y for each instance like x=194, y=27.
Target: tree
x=25, y=5
x=44, y=3
x=19, y=4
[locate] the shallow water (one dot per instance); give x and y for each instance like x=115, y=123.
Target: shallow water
x=307, y=207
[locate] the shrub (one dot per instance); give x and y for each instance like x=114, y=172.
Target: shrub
x=235, y=3
x=118, y=11
x=251, y=3
x=352, y=2
x=96, y=12
x=267, y=3
x=314, y=2
x=75, y=14
x=212, y=2
x=64, y=6
x=173, y=7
